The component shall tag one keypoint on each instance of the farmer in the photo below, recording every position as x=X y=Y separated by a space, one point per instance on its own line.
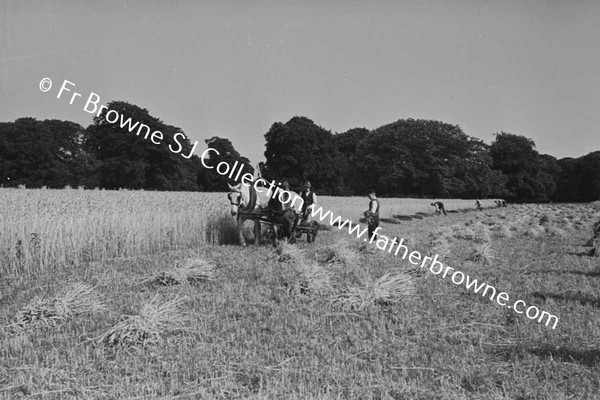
x=287 y=203
x=309 y=199
x=439 y=207
x=372 y=214
x=478 y=205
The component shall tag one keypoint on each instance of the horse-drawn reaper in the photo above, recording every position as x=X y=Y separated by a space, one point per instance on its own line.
x=279 y=210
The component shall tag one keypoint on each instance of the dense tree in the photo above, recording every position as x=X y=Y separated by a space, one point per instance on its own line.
x=530 y=176
x=405 y=158
x=72 y=152
x=212 y=181
x=588 y=169
x=579 y=178
x=425 y=158
x=299 y=150
x=347 y=144
x=44 y=153
x=516 y=157
x=130 y=158
x=473 y=176
x=549 y=174
x=569 y=181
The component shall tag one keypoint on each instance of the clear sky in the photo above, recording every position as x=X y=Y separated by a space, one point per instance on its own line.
x=233 y=68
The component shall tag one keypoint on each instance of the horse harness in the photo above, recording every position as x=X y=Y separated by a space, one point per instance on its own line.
x=240 y=204
x=239 y=200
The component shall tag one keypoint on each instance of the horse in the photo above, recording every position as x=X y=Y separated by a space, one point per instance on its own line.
x=246 y=198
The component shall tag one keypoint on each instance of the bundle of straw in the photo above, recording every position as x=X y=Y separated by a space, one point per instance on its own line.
x=190 y=271
x=289 y=253
x=341 y=252
x=75 y=299
x=148 y=326
x=310 y=278
x=483 y=254
x=387 y=290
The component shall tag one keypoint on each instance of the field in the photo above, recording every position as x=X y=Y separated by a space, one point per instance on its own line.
x=145 y=295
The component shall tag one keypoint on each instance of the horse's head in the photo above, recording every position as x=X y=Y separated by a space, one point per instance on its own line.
x=235 y=198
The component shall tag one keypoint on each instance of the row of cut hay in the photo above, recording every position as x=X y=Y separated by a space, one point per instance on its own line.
x=474 y=231
x=153 y=321
x=343 y=253
x=156 y=318
x=148 y=326
x=595 y=240
x=302 y=276
x=552 y=220
x=521 y=222
x=76 y=299
x=308 y=277
x=189 y=271
x=440 y=240
x=477 y=232
x=287 y=252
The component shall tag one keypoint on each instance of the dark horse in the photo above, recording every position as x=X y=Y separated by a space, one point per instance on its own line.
x=282 y=214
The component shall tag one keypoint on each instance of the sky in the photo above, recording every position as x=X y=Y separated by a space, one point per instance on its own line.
x=233 y=68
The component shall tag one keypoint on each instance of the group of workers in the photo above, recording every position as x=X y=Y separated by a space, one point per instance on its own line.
x=439 y=206
x=309 y=199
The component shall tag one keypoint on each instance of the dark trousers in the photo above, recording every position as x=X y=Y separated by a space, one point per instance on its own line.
x=373 y=223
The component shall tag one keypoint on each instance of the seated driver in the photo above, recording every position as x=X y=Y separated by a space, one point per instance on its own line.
x=309 y=199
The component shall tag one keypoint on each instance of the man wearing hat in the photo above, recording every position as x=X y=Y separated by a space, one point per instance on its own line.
x=372 y=213
x=309 y=199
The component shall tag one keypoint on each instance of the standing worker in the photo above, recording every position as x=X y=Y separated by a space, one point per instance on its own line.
x=372 y=213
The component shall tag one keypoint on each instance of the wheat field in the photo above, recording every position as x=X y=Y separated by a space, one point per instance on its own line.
x=44 y=227
x=146 y=295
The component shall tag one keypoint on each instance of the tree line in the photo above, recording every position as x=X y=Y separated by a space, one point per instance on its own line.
x=406 y=158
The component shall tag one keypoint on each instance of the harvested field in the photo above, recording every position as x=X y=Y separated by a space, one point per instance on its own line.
x=159 y=309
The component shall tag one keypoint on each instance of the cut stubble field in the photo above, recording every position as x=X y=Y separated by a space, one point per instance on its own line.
x=108 y=295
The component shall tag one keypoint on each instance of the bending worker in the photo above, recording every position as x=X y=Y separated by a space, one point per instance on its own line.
x=439 y=207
